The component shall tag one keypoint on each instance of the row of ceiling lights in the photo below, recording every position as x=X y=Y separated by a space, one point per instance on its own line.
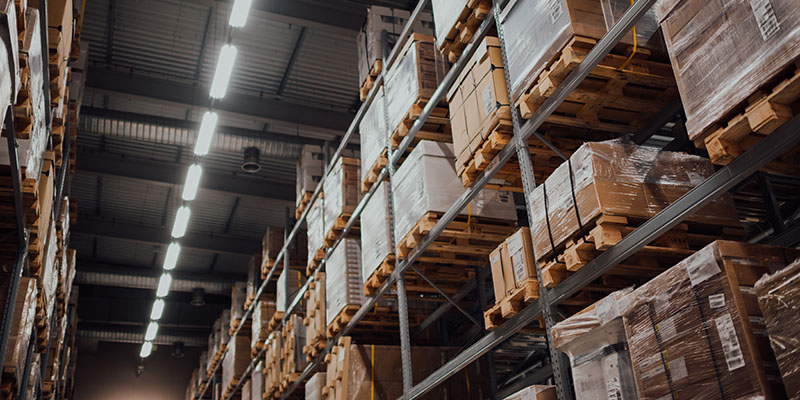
x=208 y=125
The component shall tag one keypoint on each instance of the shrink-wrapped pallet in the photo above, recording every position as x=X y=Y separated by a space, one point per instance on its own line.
x=9 y=37
x=374 y=135
x=272 y=243
x=597 y=346
x=314 y=387
x=542 y=28
x=343 y=283
x=723 y=52
x=376 y=231
x=294 y=337
x=310 y=166
x=256 y=384
x=295 y=282
x=236 y=360
x=262 y=314
x=696 y=330
x=614 y=178
x=224 y=324
x=21 y=321
x=315 y=222
x=342 y=190
x=536 y=392
x=238 y=297
x=779 y=298
x=512 y=264
x=427 y=182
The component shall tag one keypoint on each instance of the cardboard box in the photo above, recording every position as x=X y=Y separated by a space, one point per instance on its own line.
x=512 y=263
x=373 y=133
x=696 y=330
x=376 y=231
x=296 y=281
x=262 y=314
x=272 y=243
x=343 y=283
x=342 y=190
x=499 y=283
x=779 y=300
x=22 y=321
x=236 y=359
x=535 y=392
x=310 y=167
x=723 y=52
x=238 y=298
x=542 y=28
x=315 y=222
x=256 y=383
x=314 y=387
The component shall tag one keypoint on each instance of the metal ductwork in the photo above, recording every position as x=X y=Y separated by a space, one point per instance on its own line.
x=183 y=133
x=151 y=282
x=137 y=338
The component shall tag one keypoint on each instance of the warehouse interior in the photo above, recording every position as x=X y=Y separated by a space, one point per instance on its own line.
x=361 y=199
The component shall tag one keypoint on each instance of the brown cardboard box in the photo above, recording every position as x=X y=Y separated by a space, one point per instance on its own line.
x=498 y=278
x=512 y=263
x=236 y=359
x=779 y=298
x=695 y=330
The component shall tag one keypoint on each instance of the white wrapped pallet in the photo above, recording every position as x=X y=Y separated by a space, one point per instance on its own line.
x=374 y=134
x=238 y=297
x=310 y=166
x=342 y=193
x=343 y=284
x=376 y=231
x=295 y=282
x=315 y=221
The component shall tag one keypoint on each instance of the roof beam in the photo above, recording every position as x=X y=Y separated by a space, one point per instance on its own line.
x=196 y=95
x=159 y=236
x=174 y=174
x=145 y=277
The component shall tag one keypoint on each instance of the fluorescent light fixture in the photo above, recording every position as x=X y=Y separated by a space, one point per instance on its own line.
x=152 y=330
x=147 y=348
x=163 y=285
x=239 y=13
x=192 y=182
x=222 y=76
x=207 y=128
x=181 y=221
x=158 y=310
x=171 y=259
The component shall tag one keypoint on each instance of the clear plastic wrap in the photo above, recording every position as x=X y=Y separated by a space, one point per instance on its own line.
x=541 y=28
x=272 y=243
x=296 y=281
x=597 y=346
x=236 y=359
x=722 y=52
x=314 y=387
x=253 y=277
x=9 y=36
x=343 y=284
x=342 y=190
x=373 y=133
x=614 y=178
x=238 y=297
x=262 y=314
x=779 y=298
x=537 y=392
x=22 y=321
x=427 y=182
x=6 y=79
x=376 y=231
x=294 y=337
x=257 y=384
x=49 y=276
x=696 y=330
x=445 y=16
x=309 y=170
x=379 y=34
x=224 y=322
x=315 y=222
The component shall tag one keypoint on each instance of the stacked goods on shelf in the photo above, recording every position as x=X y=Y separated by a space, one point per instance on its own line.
x=238 y=298
x=377 y=256
x=47 y=281
x=36 y=368
x=293 y=359
x=235 y=362
x=253 y=280
x=76 y=89
x=377 y=38
x=283 y=298
x=736 y=66
x=620 y=95
x=364 y=371
x=59 y=34
x=256 y=384
x=537 y=392
x=702 y=317
x=272 y=245
x=272 y=365
x=202 y=376
x=513 y=277
x=314 y=387
x=314 y=321
x=480 y=116
x=456 y=23
x=374 y=139
x=344 y=292
x=262 y=324
x=246 y=391
x=410 y=82
x=779 y=298
x=191 y=390
x=602 y=194
x=315 y=222
x=597 y=346
x=22 y=321
x=342 y=193
x=310 y=167
x=425 y=187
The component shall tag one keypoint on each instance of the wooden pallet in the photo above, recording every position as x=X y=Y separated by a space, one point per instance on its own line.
x=338 y=227
x=512 y=304
x=606 y=231
x=380 y=275
x=369 y=81
x=436 y=127
x=313 y=349
x=379 y=319
x=275 y=320
x=303 y=204
x=372 y=174
x=467 y=236
x=314 y=261
x=467 y=23
x=611 y=98
x=761 y=114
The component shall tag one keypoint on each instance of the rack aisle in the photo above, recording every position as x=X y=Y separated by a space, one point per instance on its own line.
x=751 y=161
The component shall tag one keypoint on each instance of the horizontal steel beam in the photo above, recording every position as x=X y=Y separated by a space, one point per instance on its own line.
x=175 y=174
x=195 y=95
x=159 y=236
x=100 y=274
x=104 y=334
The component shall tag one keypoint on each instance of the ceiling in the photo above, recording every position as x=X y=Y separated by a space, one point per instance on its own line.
x=150 y=66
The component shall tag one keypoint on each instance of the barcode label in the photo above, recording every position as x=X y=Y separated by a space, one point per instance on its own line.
x=730 y=343
x=488 y=101
x=666 y=329
x=702 y=269
x=555 y=10
x=765 y=18
x=717 y=300
x=677 y=369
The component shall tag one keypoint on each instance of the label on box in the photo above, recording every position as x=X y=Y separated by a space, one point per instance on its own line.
x=666 y=329
x=514 y=244
x=488 y=101
x=701 y=270
x=730 y=343
x=716 y=300
x=554 y=9
x=765 y=18
x=677 y=369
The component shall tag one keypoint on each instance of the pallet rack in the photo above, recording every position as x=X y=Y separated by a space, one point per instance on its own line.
x=722 y=181
x=21 y=266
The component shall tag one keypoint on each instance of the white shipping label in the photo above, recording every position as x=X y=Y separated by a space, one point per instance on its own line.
x=667 y=329
x=700 y=270
x=488 y=100
x=716 y=300
x=730 y=343
x=495 y=258
x=677 y=369
x=765 y=18
x=555 y=10
x=514 y=244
